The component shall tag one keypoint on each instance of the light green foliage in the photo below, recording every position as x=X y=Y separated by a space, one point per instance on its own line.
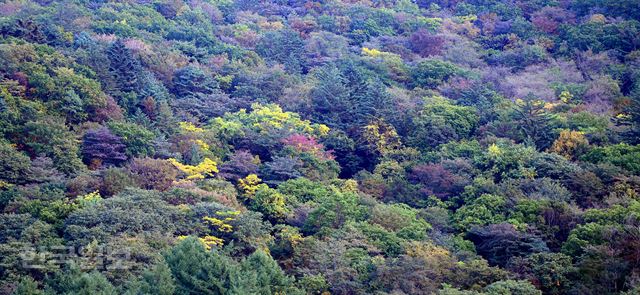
x=138 y=139
x=433 y=72
x=623 y=155
x=401 y=219
x=270 y=202
x=333 y=210
x=486 y=209
x=441 y=121
x=13 y=165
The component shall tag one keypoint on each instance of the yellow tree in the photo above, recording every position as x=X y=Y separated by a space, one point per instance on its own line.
x=570 y=144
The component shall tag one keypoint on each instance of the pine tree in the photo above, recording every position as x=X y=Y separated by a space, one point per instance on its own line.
x=74 y=281
x=269 y=277
x=198 y=271
x=27 y=286
x=157 y=280
x=192 y=81
x=123 y=66
x=534 y=122
x=330 y=97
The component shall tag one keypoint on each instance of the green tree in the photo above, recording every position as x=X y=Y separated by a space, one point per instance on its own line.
x=157 y=280
x=270 y=279
x=487 y=209
x=432 y=72
x=198 y=271
x=27 y=286
x=124 y=67
x=512 y=287
x=533 y=122
x=73 y=281
x=50 y=137
x=441 y=121
x=137 y=138
x=14 y=165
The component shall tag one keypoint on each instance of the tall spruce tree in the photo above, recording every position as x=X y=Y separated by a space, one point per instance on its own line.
x=123 y=66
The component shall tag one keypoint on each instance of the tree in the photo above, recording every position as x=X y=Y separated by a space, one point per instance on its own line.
x=156 y=280
x=197 y=271
x=441 y=121
x=240 y=164
x=498 y=243
x=330 y=97
x=192 y=81
x=623 y=155
x=270 y=202
x=27 y=286
x=550 y=18
x=512 y=287
x=270 y=279
x=153 y=173
x=553 y=272
x=431 y=73
x=100 y=147
x=425 y=43
x=51 y=137
x=631 y=116
x=486 y=209
x=285 y=47
x=137 y=138
x=124 y=67
x=533 y=122
x=73 y=281
x=14 y=165
x=570 y=144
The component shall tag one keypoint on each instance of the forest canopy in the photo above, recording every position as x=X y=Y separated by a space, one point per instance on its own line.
x=320 y=147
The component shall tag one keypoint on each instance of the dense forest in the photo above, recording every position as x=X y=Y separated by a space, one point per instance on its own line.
x=451 y=147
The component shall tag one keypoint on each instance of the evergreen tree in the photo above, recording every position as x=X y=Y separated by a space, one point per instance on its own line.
x=27 y=286
x=533 y=122
x=155 y=281
x=191 y=81
x=330 y=97
x=269 y=277
x=124 y=67
x=198 y=271
x=74 y=282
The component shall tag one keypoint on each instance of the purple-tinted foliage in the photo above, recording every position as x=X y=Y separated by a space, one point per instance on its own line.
x=425 y=43
x=239 y=165
x=437 y=180
x=101 y=147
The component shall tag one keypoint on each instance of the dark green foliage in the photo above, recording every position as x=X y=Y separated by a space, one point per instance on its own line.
x=533 y=122
x=124 y=67
x=74 y=281
x=284 y=47
x=499 y=242
x=191 y=81
x=157 y=280
x=14 y=165
x=345 y=147
x=199 y=271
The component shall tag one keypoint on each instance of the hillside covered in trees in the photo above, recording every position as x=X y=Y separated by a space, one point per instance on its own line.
x=451 y=147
